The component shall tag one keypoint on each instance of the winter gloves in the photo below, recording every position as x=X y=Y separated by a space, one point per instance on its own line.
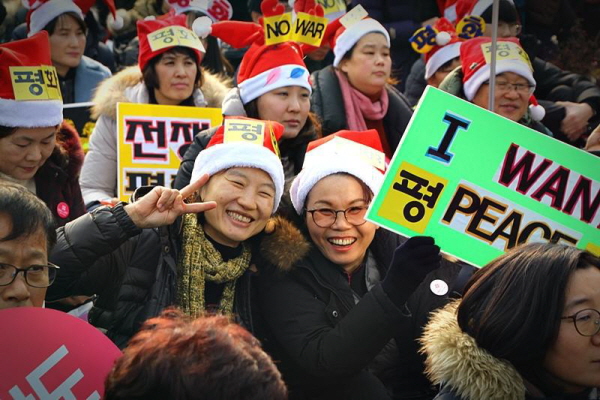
x=412 y=262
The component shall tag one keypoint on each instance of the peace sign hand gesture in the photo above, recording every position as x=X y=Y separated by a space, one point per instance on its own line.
x=162 y=205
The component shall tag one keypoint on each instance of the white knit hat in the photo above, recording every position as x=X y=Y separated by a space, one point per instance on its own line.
x=228 y=149
x=359 y=154
x=346 y=38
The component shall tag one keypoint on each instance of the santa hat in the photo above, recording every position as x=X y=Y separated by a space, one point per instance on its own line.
x=216 y=10
x=225 y=150
x=476 y=68
x=536 y=111
x=346 y=38
x=42 y=12
x=444 y=46
x=359 y=154
x=30 y=94
x=462 y=8
x=152 y=46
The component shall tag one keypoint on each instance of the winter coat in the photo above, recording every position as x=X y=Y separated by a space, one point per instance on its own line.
x=88 y=75
x=401 y=18
x=466 y=371
x=57 y=181
x=453 y=84
x=327 y=102
x=333 y=345
x=133 y=271
x=99 y=175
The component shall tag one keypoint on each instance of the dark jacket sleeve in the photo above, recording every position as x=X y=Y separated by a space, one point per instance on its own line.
x=415 y=83
x=84 y=252
x=397 y=118
x=327 y=101
x=186 y=167
x=301 y=324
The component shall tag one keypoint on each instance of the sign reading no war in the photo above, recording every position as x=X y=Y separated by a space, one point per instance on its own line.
x=152 y=141
x=482 y=184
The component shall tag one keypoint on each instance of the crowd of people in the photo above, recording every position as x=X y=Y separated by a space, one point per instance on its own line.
x=257 y=275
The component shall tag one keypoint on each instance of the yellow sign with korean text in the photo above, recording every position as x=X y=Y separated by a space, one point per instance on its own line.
x=353 y=16
x=249 y=131
x=278 y=28
x=174 y=36
x=35 y=83
x=505 y=51
x=152 y=140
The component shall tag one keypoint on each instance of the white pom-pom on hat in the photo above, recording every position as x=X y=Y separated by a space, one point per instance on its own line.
x=150 y=18
x=202 y=26
x=117 y=22
x=536 y=111
x=442 y=38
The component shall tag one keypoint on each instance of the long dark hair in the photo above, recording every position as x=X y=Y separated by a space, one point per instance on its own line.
x=513 y=306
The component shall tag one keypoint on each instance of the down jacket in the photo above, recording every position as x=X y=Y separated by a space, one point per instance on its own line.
x=99 y=174
x=331 y=344
x=327 y=102
x=468 y=372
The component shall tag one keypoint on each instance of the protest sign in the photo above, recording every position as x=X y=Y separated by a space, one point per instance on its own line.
x=47 y=354
x=482 y=184
x=78 y=115
x=152 y=139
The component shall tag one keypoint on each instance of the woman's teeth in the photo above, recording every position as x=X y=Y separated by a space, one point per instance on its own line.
x=342 y=242
x=239 y=217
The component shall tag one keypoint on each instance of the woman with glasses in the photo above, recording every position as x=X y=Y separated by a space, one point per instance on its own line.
x=515 y=83
x=332 y=316
x=528 y=327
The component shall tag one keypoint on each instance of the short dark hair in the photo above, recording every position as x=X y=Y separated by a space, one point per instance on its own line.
x=506 y=13
x=51 y=26
x=512 y=306
x=7 y=131
x=28 y=214
x=150 y=77
x=173 y=357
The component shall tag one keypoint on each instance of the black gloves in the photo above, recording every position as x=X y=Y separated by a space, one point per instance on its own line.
x=412 y=262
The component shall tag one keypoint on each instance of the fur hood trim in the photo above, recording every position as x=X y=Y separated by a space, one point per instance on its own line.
x=68 y=152
x=283 y=244
x=454 y=359
x=115 y=90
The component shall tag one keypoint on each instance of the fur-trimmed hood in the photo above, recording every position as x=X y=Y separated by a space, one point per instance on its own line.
x=455 y=360
x=121 y=88
x=283 y=244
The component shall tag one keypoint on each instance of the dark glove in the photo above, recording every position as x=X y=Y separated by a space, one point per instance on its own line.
x=412 y=262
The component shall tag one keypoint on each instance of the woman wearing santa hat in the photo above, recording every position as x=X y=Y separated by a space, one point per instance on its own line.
x=332 y=316
x=200 y=262
x=513 y=98
x=273 y=83
x=169 y=75
x=79 y=75
x=36 y=149
x=354 y=93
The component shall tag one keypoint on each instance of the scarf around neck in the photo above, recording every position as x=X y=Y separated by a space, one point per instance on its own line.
x=359 y=107
x=201 y=262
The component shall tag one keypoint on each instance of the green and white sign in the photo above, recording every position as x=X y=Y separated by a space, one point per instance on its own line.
x=482 y=184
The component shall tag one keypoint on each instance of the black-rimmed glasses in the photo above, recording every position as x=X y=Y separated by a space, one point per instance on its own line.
x=587 y=322
x=38 y=276
x=326 y=217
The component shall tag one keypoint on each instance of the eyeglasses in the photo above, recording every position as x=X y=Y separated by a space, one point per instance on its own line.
x=521 y=88
x=326 y=217
x=587 y=322
x=38 y=276
x=513 y=29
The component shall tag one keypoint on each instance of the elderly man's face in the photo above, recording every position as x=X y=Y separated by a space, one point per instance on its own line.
x=21 y=252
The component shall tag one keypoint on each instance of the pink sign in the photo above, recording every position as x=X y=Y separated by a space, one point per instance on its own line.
x=47 y=354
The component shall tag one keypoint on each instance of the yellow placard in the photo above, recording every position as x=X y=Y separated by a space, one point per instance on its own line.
x=593 y=248
x=505 y=51
x=35 y=83
x=278 y=29
x=309 y=29
x=332 y=6
x=152 y=140
x=174 y=36
x=470 y=26
x=413 y=196
x=423 y=40
x=353 y=16
x=274 y=141
x=243 y=130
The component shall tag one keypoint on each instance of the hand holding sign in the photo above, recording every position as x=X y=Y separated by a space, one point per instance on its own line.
x=162 y=205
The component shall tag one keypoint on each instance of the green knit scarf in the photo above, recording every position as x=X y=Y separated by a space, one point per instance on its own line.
x=201 y=262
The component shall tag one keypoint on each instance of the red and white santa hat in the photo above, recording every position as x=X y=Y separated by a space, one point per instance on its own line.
x=151 y=44
x=42 y=12
x=475 y=58
x=359 y=154
x=446 y=46
x=346 y=38
x=226 y=150
x=216 y=10
x=29 y=89
x=458 y=9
